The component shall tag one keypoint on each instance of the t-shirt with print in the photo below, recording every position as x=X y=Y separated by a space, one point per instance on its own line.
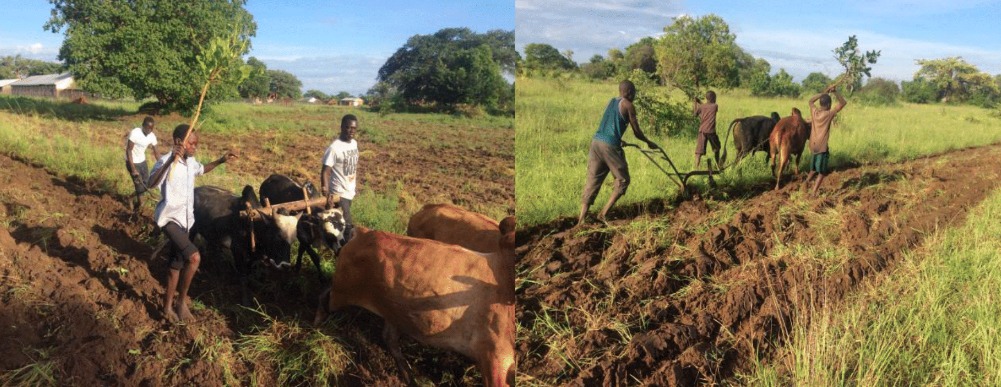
x=139 y=143
x=821 y=130
x=707 y=117
x=342 y=158
x=177 y=191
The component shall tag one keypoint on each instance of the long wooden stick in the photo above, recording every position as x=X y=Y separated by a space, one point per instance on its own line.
x=291 y=206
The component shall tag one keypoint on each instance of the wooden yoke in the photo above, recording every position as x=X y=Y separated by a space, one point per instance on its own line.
x=269 y=210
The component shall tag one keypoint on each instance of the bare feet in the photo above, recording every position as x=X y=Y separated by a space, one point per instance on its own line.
x=184 y=313
x=170 y=315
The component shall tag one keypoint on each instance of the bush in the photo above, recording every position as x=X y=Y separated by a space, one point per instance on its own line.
x=919 y=91
x=879 y=92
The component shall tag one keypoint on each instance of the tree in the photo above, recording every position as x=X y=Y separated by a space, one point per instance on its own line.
x=17 y=67
x=641 y=55
x=452 y=66
x=816 y=83
x=342 y=95
x=541 y=56
x=284 y=84
x=954 y=79
x=849 y=57
x=258 y=84
x=316 y=94
x=598 y=68
x=697 y=54
x=879 y=91
x=146 y=48
x=919 y=90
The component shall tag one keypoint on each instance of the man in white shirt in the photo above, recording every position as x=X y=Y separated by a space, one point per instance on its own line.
x=339 y=171
x=175 y=214
x=135 y=157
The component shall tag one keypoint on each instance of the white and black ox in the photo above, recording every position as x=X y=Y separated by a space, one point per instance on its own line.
x=219 y=222
x=317 y=227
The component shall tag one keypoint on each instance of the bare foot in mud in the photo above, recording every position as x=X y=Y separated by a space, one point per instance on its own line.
x=184 y=313
x=170 y=315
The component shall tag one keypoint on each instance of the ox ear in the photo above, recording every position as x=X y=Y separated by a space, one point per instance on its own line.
x=250 y=196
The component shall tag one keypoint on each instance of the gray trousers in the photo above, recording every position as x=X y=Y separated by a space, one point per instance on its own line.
x=604 y=158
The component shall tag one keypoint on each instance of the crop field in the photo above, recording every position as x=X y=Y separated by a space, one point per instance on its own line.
x=884 y=278
x=80 y=299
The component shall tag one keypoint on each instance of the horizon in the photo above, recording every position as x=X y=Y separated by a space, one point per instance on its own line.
x=902 y=30
x=329 y=48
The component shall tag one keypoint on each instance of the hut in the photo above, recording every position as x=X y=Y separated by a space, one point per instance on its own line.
x=49 y=85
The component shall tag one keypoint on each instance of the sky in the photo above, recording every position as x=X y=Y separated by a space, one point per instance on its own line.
x=331 y=46
x=799 y=37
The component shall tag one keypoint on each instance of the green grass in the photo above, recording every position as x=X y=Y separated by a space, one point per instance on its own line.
x=293 y=355
x=936 y=320
x=556 y=119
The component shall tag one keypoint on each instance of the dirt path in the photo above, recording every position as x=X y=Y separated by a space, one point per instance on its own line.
x=713 y=284
x=80 y=299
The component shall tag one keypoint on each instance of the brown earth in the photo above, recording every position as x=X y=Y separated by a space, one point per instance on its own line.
x=718 y=281
x=79 y=293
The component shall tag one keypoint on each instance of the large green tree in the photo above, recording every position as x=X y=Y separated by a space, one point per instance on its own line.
x=855 y=63
x=543 y=57
x=698 y=53
x=147 y=48
x=954 y=79
x=452 y=66
x=258 y=84
x=284 y=84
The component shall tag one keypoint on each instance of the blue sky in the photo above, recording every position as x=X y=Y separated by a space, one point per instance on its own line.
x=330 y=46
x=799 y=37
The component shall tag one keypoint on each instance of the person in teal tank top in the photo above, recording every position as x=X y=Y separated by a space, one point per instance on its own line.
x=606 y=154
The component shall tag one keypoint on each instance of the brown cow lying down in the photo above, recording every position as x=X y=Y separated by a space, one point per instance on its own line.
x=787 y=139
x=440 y=294
x=456 y=226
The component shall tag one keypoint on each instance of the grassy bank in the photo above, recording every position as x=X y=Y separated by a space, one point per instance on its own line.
x=934 y=321
x=556 y=120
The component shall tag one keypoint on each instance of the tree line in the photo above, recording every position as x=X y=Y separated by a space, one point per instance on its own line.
x=151 y=49
x=696 y=54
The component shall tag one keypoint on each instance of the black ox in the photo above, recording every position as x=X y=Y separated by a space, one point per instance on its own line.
x=321 y=227
x=750 y=134
x=218 y=221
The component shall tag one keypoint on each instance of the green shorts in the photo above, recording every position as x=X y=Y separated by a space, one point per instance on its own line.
x=819 y=163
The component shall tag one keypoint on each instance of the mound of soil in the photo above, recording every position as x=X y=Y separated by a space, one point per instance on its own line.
x=81 y=297
x=717 y=283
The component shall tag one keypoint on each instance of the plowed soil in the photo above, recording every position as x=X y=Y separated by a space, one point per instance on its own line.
x=717 y=282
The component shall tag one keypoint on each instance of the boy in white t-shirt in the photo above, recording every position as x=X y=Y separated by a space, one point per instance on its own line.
x=135 y=157
x=338 y=174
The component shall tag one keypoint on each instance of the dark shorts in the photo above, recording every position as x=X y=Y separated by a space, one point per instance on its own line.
x=819 y=163
x=181 y=247
x=602 y=159
x=139 y=182
x=712 y=138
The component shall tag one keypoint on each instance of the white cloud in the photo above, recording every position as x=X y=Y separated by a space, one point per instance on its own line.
x=801 y=52
x=590 y=27
x=35 y=48
x=330 y=74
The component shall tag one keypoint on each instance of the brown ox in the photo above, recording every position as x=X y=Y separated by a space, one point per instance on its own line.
x=788 y=139
x=456 y=226
x=440 y=294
